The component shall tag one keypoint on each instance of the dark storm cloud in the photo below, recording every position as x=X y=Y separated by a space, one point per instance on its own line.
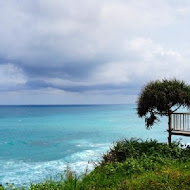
x=77 y=70
x=36 y=84
x=125 y=88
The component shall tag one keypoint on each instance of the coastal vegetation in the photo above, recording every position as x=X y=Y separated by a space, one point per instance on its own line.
x=129 y=164
x=162 y=98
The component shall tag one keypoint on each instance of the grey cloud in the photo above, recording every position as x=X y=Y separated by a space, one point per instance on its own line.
x=129 y=89
x=102 y=87
x=94 y=45
x=36 y=84
x=72 y=71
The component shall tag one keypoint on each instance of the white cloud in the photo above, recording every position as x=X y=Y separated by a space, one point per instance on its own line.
x=11 y=76
x=55 y=30
x=145 y=60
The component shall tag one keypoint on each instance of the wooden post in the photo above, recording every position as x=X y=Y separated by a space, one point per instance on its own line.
x=169 y=129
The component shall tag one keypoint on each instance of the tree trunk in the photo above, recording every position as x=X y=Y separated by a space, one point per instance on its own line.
x=169 y=129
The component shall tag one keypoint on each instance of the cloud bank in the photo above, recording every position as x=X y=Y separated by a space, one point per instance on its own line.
x=90 y=50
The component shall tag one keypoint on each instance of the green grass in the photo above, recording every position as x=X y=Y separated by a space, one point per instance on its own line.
x=131 y=164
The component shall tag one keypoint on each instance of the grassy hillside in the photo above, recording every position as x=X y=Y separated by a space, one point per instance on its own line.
x=131 y=164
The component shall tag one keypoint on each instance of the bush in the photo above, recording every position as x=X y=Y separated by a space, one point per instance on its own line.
x=135 y=148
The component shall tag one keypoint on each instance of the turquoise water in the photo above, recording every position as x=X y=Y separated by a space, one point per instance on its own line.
x=37 y=142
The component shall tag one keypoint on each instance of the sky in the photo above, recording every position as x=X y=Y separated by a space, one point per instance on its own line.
x=90 y=52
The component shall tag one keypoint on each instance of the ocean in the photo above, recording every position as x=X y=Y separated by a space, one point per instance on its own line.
x=37 y=142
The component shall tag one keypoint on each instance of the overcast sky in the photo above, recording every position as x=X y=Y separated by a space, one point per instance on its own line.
x=85 y=52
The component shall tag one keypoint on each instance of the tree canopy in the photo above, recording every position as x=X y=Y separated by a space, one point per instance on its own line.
x=162 y=97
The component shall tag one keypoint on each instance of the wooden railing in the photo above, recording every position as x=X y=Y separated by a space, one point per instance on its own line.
x=180 y=122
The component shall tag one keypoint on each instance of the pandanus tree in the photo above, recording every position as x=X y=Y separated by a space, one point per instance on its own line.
x=162 y=98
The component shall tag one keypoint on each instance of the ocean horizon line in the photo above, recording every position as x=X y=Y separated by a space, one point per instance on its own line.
x=7 y=105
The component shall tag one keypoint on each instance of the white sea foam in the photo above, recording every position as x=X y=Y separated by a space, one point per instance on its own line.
x=19 y=172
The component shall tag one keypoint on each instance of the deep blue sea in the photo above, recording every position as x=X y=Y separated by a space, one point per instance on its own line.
x=37 y=142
